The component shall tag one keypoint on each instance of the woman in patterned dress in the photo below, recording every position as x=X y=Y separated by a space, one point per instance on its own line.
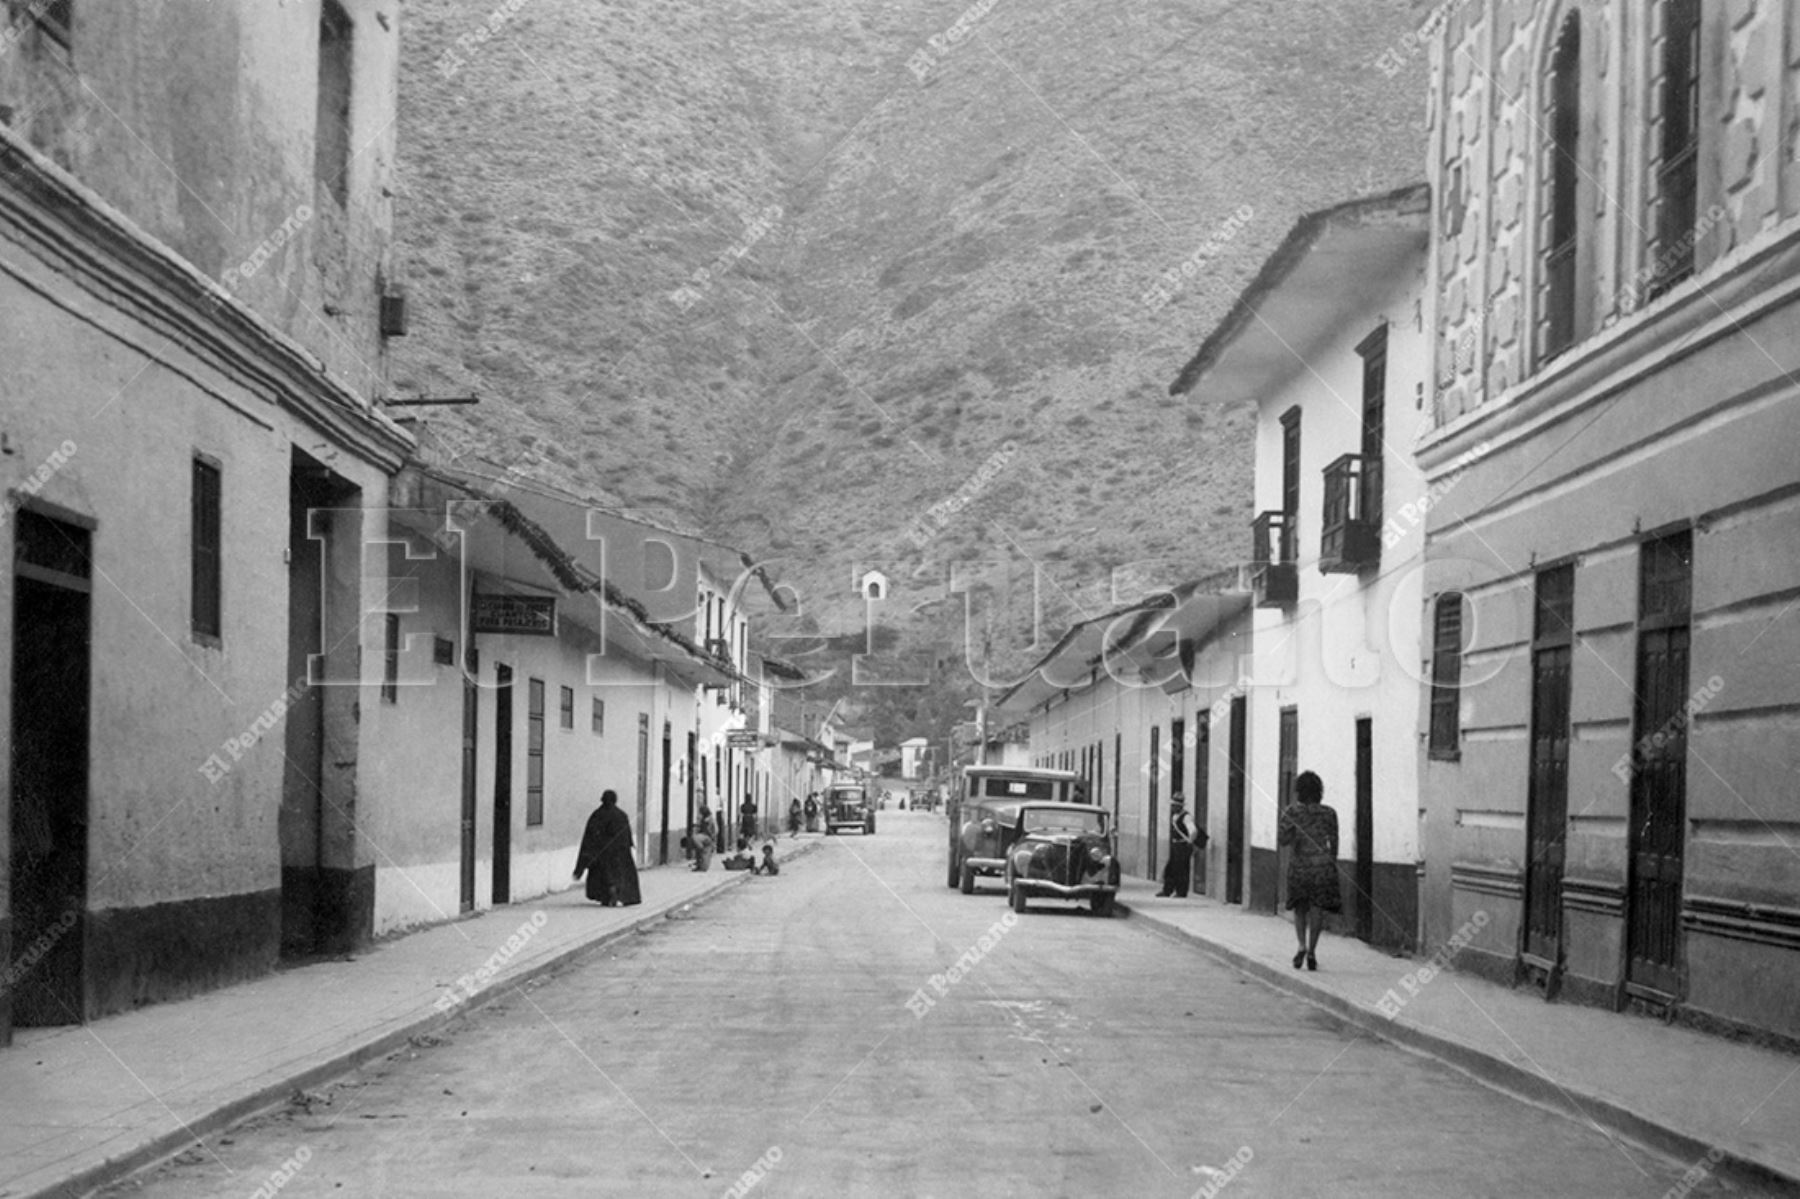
x=1310 y=829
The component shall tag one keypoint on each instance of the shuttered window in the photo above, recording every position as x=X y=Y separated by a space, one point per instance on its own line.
x=1446 y=677
x=206 y=543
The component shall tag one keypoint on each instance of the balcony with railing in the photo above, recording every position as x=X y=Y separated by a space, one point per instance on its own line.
x=1273 y=560
x=1350 y=533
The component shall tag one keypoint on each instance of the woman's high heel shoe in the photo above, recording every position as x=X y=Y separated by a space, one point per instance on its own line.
x=1312 y=963
x=1299 y=956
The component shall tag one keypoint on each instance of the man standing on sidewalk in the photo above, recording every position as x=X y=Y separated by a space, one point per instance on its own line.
x=1179 y=868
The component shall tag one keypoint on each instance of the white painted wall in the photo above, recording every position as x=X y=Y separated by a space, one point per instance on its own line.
x=1350 y=647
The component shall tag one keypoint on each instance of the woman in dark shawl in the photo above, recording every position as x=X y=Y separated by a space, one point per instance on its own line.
x=606 y=856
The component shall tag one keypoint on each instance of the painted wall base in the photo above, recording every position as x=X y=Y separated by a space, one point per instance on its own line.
x=326 y=911
x=166 y=951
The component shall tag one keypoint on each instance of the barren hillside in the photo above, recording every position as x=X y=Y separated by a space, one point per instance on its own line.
x=797 y=271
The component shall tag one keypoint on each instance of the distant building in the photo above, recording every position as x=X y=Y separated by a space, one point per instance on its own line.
x=1608 y=752
x=1130 y=700
x=873 y=585
x=912 y=756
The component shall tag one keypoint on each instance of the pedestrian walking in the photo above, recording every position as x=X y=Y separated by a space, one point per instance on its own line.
x=794 y=819
x=1309 y=829
x=1178 y=871
x=606 y=856
x=812 y=812
x=747 y=819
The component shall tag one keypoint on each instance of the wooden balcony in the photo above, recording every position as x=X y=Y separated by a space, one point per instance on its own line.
x=1273 y=560
x=1350 y=536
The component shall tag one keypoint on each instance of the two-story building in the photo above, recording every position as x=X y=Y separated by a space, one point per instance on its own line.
x=1609 y=753
x=1330 y=342
x=194 y=222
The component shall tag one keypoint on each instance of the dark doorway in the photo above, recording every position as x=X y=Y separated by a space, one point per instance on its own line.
x=51 y=629
x=643 y=784
x=327 y=902
x=1659 y=775
x=1150 y=870
x=1118 y=772
x=1287 y=766
x=1177 y=756
x=1236 y=776
x=1200 y=802
x=471 y=725
x=693 y=781
x=503 y=778
x=1547 y=795
x=1365 y=828
x=668 y=764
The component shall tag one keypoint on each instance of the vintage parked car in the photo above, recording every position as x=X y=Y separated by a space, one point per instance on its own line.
x=1063 y=851
x=984 y=816
x=848 y=807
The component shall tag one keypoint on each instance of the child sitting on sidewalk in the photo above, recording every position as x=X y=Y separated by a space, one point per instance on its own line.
x=769 y=865
x=742 y=859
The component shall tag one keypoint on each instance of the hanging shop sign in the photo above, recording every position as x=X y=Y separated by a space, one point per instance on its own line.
x=518 y=615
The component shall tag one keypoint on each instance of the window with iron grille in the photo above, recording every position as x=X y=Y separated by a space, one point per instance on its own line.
x=390 y=661
x=1446 y=678
x=1560 y=234
x=1677 y=109
x=206 y=548
x=568 y=707
x=534 y=754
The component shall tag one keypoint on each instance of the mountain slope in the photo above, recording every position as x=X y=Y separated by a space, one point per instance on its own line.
x=795 y=273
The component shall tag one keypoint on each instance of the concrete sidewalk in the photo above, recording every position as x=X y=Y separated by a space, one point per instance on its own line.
x=82 y=1106
x=1729 y=1107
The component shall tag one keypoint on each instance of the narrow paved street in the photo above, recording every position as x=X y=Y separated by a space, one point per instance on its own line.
x=1079 y=1056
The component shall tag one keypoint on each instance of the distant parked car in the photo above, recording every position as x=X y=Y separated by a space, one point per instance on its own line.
x=849 y=807
x=984 y=816
x=1063 y=851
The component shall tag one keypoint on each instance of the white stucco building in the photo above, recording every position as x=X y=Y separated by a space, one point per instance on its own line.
x=1331 y=343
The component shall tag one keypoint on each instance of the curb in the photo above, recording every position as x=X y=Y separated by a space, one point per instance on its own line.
x=1602 y=1114
x=86 y=1180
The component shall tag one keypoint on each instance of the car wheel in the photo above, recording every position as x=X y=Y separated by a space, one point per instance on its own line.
x=1102 y=905
x=967 y=883
x=1018 y=899
x=831 y=830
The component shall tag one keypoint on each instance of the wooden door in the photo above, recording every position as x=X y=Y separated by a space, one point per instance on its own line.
x=1236 y=827
x=1287 y=765
x=643 y=784
x=49 y=763
x=1659 y=774
x=1547 y=798
x=1365 y=828
x=503 y=777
